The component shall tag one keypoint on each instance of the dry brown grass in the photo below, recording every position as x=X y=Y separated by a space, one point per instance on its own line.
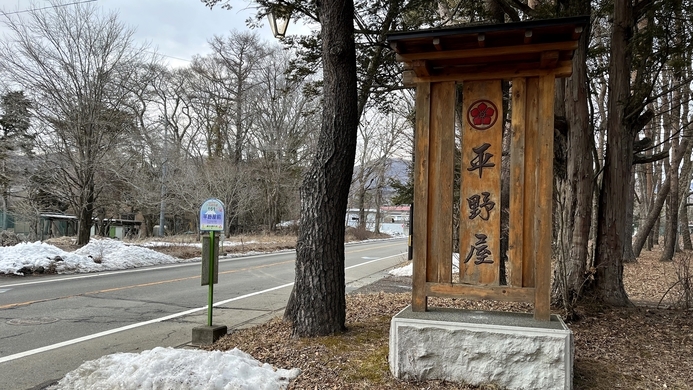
x=633 y=348
x=65 y=243
x=358 y=234
x=181 y=246
x=258 y=243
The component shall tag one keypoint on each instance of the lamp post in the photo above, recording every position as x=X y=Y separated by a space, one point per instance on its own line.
x=278 y=21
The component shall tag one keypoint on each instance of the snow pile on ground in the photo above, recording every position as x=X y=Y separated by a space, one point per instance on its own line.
x=116 y=255
x=169 y=368
x=98 y=255
x=34 y=255
x=408 y=270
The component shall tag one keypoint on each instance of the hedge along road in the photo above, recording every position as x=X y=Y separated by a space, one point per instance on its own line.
x=50 y=325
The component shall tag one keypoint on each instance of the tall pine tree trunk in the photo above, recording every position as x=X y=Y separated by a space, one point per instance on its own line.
x=686 y=177
x=317 y=305
x=628 y=253
x=672 y=221
x=579 y=157
x=654 y=234
x=618 y=160
x=683 y=222
x=671 y=105
x=576 y=194
x=647 y=190
x=681 y=98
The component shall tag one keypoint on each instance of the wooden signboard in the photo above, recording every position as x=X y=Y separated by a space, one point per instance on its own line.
x=480 y=181
x=530 y=55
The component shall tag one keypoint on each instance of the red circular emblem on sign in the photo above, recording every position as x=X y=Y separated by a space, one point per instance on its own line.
x=482 y=114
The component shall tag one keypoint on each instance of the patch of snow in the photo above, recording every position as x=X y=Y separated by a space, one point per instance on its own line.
x=98 y=255
x=408 y=270
x=34 y=255
x=183 y=369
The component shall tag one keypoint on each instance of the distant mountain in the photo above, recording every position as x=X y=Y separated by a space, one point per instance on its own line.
x=398 y=169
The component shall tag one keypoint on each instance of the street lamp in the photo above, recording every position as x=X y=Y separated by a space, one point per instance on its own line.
x=278 y=22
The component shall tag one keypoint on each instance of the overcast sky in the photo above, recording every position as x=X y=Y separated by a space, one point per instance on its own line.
x=175 y=28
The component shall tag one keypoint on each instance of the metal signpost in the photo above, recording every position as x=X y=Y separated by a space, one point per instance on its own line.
x=211 y=220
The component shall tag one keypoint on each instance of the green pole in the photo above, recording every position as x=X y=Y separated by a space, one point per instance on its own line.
x=210 y=296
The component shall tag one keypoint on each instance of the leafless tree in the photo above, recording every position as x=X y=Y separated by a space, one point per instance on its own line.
x=226 y=77
x=75 y=64
x=381 y=138
x=281 y=138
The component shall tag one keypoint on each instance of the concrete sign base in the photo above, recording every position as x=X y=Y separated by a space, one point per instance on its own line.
x=510 y=350
x=207 y=335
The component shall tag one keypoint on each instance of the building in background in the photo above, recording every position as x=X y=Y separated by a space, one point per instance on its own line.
x=394 y=220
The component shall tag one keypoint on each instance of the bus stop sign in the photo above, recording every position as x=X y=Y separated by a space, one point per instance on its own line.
x=212 y=216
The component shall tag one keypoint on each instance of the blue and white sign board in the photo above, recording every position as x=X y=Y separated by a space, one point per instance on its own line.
x=212 y=216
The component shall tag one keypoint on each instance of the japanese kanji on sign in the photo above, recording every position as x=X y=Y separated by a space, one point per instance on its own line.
x=480 y=183
x=211 y=220
x=527 y=57
x=212 y=216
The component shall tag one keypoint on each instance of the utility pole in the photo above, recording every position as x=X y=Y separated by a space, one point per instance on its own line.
x=162 y=209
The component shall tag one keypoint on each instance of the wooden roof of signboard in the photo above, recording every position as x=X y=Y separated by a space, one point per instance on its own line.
x=477 y=52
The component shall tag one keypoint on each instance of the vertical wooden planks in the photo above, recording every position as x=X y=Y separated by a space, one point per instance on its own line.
x=531 y=187
x=480 y=182
x=517 y=180
x=421 y=155
x=529 y=202
x=440 y=182
x=544 y=197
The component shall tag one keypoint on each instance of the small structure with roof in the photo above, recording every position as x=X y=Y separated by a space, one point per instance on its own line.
x=511 y=350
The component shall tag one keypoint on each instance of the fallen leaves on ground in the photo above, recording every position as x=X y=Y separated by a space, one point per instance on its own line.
x=644 y=347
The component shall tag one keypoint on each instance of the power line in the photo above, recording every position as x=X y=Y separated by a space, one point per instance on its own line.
x=76 y=3
x=49 y=7
x=165 y=55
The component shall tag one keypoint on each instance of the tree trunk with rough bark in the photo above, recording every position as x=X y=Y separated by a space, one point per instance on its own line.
x=683 y=225
x=576 y=196
x=657 y=236
x=628 y=253
x=608 y=286
x=654 y=234
x=672 y=221
x=684 y=188
x=672 y=123
x=317 y=305
x=86 y=214
x=647 y=197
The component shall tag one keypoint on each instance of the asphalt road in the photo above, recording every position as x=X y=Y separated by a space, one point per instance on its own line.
x=49 y=325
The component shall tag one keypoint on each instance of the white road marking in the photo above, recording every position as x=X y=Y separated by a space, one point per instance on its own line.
x=195 y=262
x=168 y=317
x=373 y=261
x=131 y=326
